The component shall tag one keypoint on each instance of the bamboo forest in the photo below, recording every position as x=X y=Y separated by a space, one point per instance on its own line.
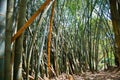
x=59 y=39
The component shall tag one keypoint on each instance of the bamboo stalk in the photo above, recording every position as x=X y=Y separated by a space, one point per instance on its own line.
x=49 y=37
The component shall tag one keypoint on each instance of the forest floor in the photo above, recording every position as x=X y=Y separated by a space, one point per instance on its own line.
x=111 y=74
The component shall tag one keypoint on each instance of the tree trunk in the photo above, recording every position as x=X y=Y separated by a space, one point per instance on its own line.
x=19 y=41
x=114 y=6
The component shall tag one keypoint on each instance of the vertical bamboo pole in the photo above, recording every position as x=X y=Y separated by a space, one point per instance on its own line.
x=49 y=37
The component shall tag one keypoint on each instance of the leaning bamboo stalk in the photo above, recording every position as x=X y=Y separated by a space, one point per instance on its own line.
x=23 y=28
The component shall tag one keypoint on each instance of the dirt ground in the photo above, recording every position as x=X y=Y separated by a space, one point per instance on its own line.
x=101 y=75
